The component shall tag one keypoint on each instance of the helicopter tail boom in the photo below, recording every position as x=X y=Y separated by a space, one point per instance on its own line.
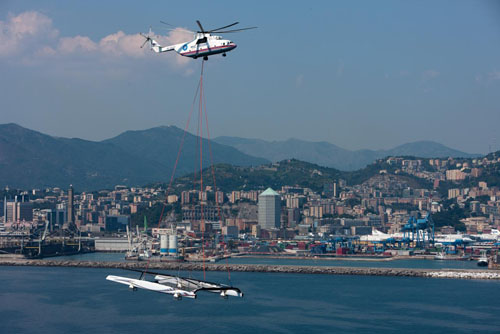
x=156 y=47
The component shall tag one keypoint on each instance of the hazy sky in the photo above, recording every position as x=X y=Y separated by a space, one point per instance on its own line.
x=359 y=74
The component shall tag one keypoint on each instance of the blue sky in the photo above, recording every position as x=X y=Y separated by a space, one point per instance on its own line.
x=359 y=74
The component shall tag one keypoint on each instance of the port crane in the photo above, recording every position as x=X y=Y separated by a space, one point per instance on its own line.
x=419 y=230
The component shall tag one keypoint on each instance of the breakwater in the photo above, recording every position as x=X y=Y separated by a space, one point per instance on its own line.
x=363 y=271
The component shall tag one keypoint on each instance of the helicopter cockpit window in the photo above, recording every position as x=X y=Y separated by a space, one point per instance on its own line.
x=201 y=40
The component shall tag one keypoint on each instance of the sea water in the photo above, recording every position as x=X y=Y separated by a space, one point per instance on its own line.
x=360 y=262
x=81 y=300
x=353 y=262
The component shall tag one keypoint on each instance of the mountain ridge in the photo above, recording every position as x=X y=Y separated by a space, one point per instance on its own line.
x=31 y=159
x=330 y=155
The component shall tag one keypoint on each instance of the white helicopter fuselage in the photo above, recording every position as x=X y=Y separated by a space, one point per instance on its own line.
x=203 y=45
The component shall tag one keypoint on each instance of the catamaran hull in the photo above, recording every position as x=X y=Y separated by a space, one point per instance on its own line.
x=152 y=286
x=482 y=263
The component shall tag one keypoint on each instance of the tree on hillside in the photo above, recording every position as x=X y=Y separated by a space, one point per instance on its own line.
x=450 y=217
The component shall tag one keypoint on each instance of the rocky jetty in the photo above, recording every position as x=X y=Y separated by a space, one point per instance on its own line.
x=363 y=271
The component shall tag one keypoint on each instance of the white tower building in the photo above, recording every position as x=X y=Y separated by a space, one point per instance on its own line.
x=269 y=209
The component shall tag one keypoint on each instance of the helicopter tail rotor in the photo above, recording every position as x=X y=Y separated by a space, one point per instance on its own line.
x=147 y=37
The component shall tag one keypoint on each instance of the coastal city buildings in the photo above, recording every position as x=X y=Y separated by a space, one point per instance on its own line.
x=383 y=201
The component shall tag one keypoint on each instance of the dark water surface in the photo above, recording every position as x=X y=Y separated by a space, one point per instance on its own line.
x=404 y=263
x=97 y=256
x=80 y=300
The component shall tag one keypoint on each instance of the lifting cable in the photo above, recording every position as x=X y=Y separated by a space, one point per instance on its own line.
x=200 y=121
x=201 y=110
x=219 y=211
x=167 y=192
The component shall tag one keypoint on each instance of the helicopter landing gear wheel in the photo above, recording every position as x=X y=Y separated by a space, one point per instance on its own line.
x=223 y=55
x=205 y=58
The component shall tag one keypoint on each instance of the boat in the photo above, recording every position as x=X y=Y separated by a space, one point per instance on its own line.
x=440 y=256
x=175 y=285
x=443 y=256
x=139 y=247
x=483 y=259
x=138 y=255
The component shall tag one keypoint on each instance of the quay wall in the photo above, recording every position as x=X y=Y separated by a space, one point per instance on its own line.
x=363 y=271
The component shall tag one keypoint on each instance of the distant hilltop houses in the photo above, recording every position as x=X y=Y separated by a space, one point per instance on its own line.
x=460 y=194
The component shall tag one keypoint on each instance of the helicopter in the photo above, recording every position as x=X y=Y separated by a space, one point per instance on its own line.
x=203 y=45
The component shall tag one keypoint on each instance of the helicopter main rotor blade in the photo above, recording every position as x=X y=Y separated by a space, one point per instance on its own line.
x=235 y=30
x=147 y=40
x=199 y=25
x=168 y=24
x=229 y=25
